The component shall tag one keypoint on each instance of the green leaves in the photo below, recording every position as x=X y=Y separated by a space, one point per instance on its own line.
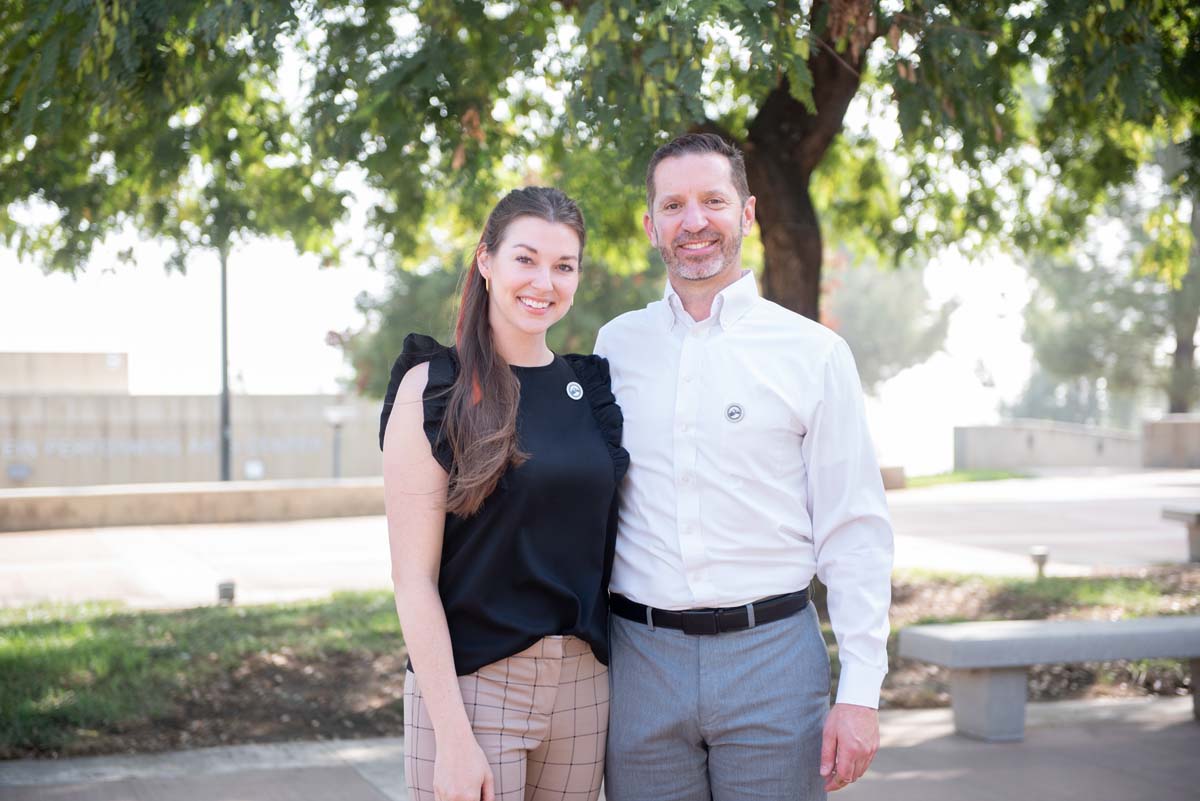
x=445 y=104
x=799 y=78
x=132 y=105
x=1169 y=243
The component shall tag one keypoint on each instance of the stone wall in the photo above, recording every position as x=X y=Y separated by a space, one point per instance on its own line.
x=73 y=440
x=1173 y=441
x=1020 y=444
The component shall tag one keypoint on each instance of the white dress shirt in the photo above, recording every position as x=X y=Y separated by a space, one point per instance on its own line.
x=751 y=469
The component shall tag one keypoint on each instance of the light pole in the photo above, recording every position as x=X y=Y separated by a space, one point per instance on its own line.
x=226 y=434
x=336 y=416
x=1040 y=554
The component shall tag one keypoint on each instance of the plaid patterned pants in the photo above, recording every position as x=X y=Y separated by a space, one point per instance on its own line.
x=540 y=716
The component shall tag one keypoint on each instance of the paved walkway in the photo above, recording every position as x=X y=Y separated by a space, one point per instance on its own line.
x=1100 y=751
x=1102 y=520
x=982 y=527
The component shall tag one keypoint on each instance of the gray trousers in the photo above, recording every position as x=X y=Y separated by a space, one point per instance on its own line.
x=729 y=716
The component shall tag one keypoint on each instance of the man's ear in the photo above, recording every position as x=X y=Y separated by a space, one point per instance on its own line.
x=748 y=215
x=648 y=224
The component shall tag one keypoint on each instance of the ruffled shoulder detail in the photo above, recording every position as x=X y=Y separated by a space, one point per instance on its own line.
x=443 y=371
x=593 y=375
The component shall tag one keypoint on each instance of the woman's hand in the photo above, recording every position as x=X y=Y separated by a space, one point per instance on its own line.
x=461 y=771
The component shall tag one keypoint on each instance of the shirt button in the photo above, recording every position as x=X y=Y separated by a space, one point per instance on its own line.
x=687 y=379
x=683 y=426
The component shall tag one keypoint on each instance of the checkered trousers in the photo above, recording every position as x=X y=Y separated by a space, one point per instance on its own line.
x=540 y=716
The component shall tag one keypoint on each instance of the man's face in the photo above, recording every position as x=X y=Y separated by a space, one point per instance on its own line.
x=697 y=221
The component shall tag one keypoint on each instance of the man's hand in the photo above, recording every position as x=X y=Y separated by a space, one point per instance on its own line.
x=848 y=744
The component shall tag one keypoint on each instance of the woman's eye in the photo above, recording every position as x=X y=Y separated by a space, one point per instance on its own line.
x=524 y=260
x=567 y=268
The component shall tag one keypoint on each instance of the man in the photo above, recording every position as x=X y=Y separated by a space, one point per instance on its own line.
x=752 y=471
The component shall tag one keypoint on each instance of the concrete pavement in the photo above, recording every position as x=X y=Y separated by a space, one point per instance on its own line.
x=1110 y=520
x=1119 y=751
x=180 y=566
x=1105 y=520
x=1102 y=751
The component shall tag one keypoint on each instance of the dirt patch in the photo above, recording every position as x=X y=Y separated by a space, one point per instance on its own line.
x=270 y=697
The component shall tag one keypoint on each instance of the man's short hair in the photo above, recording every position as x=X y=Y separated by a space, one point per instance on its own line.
x=700 y=143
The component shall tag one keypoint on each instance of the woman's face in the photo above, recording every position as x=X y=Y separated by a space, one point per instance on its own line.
x=533 y=274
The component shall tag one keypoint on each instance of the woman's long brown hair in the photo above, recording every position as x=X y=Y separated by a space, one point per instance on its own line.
x=481 y=417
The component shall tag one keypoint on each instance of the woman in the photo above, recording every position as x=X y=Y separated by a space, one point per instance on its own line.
x=500 y=463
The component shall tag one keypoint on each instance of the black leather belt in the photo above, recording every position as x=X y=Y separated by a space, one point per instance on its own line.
x=712 y=621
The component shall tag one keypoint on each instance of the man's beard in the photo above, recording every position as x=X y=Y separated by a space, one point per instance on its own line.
x=697 y=269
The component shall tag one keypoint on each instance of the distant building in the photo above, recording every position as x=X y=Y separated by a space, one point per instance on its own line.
x=68 y=419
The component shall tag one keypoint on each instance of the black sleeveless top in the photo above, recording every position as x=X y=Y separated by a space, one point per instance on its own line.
x=536 y=558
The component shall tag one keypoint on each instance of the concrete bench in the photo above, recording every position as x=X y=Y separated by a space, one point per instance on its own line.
x=1191 y=518
x=987 y=660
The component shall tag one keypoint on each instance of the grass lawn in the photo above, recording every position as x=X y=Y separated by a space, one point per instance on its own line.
x=95 y=678
x=77 y=676
x=960 y=476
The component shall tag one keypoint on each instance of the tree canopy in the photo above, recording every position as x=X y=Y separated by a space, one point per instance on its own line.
x=904 y=126
x=1102 y=320
x=437 y=93
x=160 y=118
x=451 y=101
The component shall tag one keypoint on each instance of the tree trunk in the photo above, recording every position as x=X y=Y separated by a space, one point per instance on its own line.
x=791 y=232
x=1185 y=310
x=1182 y=388
x=785 y=144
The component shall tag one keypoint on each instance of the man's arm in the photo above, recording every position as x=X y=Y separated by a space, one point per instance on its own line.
x=852 y=538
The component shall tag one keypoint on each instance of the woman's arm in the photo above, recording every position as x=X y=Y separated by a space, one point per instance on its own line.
x=415 y=497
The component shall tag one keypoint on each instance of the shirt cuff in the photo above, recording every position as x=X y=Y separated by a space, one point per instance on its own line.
x=859 y=684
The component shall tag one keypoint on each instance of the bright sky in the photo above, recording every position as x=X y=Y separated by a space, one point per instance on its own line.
x=984 y=362
x=281 y=306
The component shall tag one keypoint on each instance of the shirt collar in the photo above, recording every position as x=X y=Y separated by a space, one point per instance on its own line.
x=729 y=306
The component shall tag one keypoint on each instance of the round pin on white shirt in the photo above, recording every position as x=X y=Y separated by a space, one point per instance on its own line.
x=574 y=391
